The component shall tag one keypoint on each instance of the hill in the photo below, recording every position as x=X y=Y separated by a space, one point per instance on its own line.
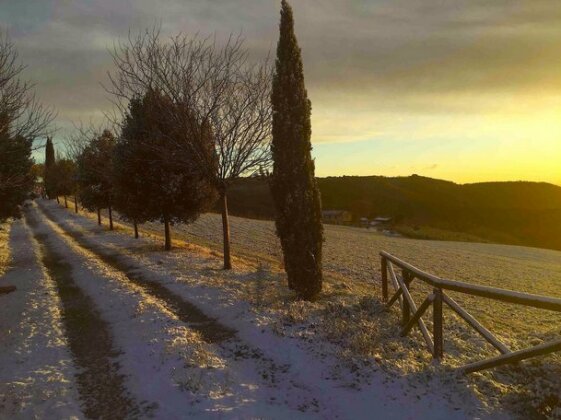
x=518 y=213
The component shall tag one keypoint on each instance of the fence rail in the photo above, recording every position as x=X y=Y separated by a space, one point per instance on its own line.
x=413 y=316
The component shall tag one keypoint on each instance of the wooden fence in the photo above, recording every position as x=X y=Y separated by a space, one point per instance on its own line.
x=412 y=315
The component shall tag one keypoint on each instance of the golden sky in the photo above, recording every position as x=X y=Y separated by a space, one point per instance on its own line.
x=465 y=90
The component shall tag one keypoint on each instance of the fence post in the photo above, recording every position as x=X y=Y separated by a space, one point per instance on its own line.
x=405 y=309
x=438 y=325
x=384 y=279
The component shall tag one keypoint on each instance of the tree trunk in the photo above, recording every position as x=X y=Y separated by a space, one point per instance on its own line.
x=65 y=202
x=226 y=231
x=135 y=229
x=99 y=217
x=110 y=218
x=75 y=204
x=57 y=200
x=167 y=232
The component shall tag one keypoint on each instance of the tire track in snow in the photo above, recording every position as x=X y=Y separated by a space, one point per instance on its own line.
x=169 y=369
x=236 y=351
x=36 y=367
x=210 y=329
x=382 y=398
x=100 y=385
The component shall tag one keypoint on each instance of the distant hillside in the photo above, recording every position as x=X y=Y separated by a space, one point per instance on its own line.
x=521 y=213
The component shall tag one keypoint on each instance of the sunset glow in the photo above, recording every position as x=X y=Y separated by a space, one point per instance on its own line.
x=466 y=91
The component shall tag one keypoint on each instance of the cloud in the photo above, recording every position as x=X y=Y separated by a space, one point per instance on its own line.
x=365 y=60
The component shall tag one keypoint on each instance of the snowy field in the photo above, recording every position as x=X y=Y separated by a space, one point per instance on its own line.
x=184 y=338
x=351 y=254
x=353 y=281
x=167 y=361
x=353 y=268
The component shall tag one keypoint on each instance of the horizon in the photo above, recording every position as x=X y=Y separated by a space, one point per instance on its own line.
x=441 y=179
x=463 y=92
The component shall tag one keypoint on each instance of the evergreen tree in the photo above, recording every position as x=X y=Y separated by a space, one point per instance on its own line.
x=49 y=165
x=293 y=184
x=227 y=95
x=130 y=191
x=95 y=177
x=63 y=178
x=38 y=173
x=153 y=182
x=16 y=180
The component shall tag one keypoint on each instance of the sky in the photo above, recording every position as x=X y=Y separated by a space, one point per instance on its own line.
x=464 y=90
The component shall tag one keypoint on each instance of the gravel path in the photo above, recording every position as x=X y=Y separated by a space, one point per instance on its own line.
x=252 y=368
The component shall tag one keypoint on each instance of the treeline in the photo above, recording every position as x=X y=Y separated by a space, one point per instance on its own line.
x=179 y=140
x=193 y=117
x=518 y=213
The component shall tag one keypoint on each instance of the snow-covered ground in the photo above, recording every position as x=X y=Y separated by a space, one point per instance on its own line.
x=353 y=252
x=171 y=368
x=351 y=256
x=192 y=340
x=37 y=374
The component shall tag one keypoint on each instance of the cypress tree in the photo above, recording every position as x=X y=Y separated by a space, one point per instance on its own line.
x=49 y=166
x=49 y=153
x=293 y=184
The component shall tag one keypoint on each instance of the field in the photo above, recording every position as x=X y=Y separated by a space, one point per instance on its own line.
x=350 y=315
x=353 y=275
x=176 y=336
x=353 y=253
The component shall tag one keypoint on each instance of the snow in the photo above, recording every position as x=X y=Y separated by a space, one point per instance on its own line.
x=283 y=358
x=258 y=373
x=36 y=368
x=353 y=253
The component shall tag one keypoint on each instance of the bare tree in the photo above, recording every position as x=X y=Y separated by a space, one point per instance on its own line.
x=226 y=95
x=74 y=145
x=22 y=120
x=22 y=114
x=78 y=139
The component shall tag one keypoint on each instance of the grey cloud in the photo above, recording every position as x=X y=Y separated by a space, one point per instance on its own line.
x=404 y=52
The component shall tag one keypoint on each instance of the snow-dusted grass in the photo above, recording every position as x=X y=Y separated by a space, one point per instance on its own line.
x=36 y=368
x=350 y=315
x=293 y=364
